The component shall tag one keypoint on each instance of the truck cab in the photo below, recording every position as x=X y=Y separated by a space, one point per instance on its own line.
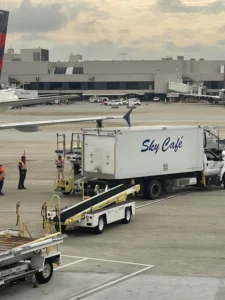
x=214 y=168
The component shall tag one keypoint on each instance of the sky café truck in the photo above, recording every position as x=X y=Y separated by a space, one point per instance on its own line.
x=156 y=157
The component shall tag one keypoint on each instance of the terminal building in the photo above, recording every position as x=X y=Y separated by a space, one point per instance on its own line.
x=144 y=79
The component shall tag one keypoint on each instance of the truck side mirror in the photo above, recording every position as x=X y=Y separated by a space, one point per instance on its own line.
x=205 y=140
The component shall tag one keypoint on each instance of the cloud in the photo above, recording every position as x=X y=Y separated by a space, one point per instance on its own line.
x=37 y=18
x=93 y=50
x=37 y=37
x=192 y=48
x=85 y=12
x=178 y=6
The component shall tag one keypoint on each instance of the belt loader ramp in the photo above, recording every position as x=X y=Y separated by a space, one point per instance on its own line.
x=97 y=211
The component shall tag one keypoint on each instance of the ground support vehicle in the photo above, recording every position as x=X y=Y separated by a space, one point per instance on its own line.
x=156 y=157
x=27 y=257
x=97 y=211
x=72 y=182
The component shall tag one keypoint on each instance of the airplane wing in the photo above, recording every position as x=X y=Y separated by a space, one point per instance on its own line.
x=40 y=100
x=34 y=126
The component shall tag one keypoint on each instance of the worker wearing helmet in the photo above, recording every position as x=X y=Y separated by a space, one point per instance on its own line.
x=60 y=166
x=2 y=177
x=22 y=172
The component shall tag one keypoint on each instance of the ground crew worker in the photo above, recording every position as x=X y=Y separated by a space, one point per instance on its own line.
x=60 y=166
x=2 y=177
x=22 y=171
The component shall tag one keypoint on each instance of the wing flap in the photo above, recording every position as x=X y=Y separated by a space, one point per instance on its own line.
x=34 y=126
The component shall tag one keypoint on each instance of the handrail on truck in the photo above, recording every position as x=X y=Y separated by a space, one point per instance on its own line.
x=21 y=232
x=57 y=209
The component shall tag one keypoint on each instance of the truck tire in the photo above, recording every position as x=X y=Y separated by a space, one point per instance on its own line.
x=154 y=189
x=46 y=275
x=90 y=193
x=224 y=181
x=101 y=225
x=128 y=214
x=67 y=193
x=63 y=227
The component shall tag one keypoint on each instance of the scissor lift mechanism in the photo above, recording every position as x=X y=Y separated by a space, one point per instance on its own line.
x=72 y=182
x=99 y=205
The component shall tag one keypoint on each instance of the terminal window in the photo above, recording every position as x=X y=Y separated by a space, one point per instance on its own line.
x=36 y=56
x=60 y=70
x=113 y=85
x=75 y=85
x=132 y=85
x=78 y=70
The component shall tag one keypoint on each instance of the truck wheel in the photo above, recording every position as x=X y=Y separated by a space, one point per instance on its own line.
x=67 y=193
x=224 y=181
x=101 y=225
x=127 y=218
x=45 y=276
x=154 y=189
x=63 y=228
x=90 y=193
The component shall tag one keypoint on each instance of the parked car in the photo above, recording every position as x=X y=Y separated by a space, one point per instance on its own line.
x=104 y=102
x=115 y=102
x=133 y=102
x=156 y=99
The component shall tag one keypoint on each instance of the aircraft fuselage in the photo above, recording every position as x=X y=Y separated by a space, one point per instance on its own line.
x=6 y=96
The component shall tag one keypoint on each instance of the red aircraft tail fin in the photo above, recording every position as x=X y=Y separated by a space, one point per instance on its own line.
x=4 y=16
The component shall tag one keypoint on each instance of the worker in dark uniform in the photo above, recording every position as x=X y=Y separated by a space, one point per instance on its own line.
x=2 y=177
x=99 y=124
x=22 y=172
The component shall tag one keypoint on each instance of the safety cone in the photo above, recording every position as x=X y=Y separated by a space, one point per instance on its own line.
x=24 y=154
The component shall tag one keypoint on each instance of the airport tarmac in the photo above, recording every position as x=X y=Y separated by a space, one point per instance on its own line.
x=172 y=249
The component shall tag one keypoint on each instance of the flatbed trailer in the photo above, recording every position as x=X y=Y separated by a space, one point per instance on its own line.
x=21 y=257
x=107 y=207
x=24 y=257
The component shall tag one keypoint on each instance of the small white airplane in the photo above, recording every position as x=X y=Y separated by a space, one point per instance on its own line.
x=7 y=96
x=220 y=99
x=8 y=99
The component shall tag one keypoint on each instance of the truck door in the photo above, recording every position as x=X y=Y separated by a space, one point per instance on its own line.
x=212 y=164
x=99 y=154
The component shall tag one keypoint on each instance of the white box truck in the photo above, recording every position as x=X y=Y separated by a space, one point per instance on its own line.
x=157 y=157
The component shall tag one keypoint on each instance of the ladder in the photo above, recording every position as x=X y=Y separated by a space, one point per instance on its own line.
x=61 y=139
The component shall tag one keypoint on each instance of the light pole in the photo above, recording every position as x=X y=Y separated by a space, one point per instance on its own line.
x=123 y=54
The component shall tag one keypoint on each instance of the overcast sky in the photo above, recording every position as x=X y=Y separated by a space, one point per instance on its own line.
x=102 y=29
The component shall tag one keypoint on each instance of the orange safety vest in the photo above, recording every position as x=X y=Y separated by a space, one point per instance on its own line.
x=23 y=165
x=60 y=162
x=2 y=173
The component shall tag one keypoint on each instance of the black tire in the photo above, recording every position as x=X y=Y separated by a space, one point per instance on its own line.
x=67 y=193
x=46 y=275
x=101 y=225
x=224 y=181
x=154 y=189
x=90 y=193
x=128 y=215
x=63 y=228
